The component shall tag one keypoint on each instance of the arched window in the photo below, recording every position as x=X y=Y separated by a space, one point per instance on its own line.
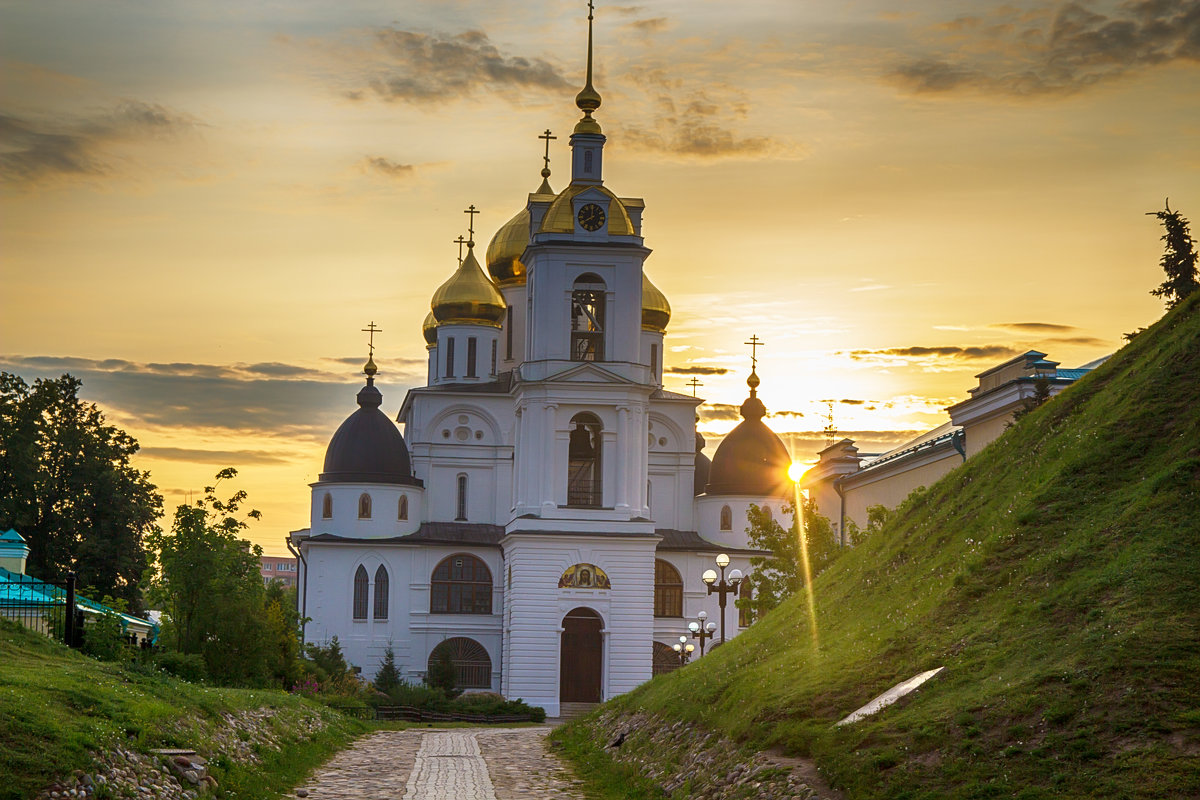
x=364 y=506
x=327 y=507
x=402 y=513
x=583 y=462
x=768 y=514
x=461 y=584
x=360 y=592
x=471 y=662
x=381 y=593
x=665 y=659
x=745 y=615
x=460 y=500
x=587 y=319
x=726 y=518
x=668 y=590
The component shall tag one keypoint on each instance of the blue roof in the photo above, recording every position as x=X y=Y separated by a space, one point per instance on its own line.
x=17 y=589
x=11 y=535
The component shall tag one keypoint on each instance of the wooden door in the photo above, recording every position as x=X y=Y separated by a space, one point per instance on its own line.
x=582 y=657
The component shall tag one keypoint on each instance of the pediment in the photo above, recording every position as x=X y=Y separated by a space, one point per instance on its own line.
x=587 y=372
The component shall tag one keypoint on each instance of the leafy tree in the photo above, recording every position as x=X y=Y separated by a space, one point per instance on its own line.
x=388 y=677
x=328 y=661
x=1179 y=258
x=877 y=517
x=281 y=634
x=67 y=486
x=210 y=584
x=781 y=573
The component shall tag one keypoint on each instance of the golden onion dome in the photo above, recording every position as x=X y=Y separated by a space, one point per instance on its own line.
x=504 y=251
x=656 y=311
x=429 y=329
x=560 y=217
x=469 y=297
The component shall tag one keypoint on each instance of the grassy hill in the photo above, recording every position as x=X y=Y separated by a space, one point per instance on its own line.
x=59 y=708
x=1057 y=578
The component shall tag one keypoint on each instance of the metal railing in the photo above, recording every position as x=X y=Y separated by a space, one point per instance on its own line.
x=36 y=605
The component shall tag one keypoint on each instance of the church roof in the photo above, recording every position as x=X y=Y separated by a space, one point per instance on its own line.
x=673 y=539
x=367 y=447
x=474 y=534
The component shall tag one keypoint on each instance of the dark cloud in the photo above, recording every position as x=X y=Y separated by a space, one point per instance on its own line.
x=387 y=167
x=786 y=414
x=435 y=68
x=42 y=149
x=224 y=457
x=1035 y=327
x=710 y=412
x=1087 y=341
x=849 y=402
x=697 y=370
x=692 y=123
x=1074 y=48
x=651 y=25
x=970 y=353
x=271 y=398
x=804 y=445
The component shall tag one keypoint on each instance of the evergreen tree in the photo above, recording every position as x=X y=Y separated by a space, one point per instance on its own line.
x=68 y=486
x=441 y=674
x=1178 y=260
x=388 y=677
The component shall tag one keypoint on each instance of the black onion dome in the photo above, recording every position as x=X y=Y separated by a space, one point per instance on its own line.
x=368 y=448
x=703 y=465
x=751 y=459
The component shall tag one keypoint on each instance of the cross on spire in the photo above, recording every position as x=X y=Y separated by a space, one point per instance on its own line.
x=471 y=226
x=694 y=382
x=754 y=343
x=546 y=158
x=460 y=241
x=371 y=330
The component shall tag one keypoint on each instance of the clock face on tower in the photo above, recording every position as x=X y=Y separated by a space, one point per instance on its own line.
x=591 y=217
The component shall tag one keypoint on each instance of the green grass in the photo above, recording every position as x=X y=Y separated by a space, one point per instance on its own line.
x=1057 y=577
x=58 y=707
x=603 y=778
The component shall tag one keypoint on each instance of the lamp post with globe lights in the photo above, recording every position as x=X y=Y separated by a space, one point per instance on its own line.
x=684 y=649
x=701 y=629
x=722 y=588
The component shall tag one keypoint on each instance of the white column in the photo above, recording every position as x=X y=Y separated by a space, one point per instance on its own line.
x=549 y=466
x=624 y=452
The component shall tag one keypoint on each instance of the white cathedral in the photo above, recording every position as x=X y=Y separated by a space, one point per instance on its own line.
x=547 y=515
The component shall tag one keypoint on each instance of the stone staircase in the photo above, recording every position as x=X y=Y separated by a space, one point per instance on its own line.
x=572 y=710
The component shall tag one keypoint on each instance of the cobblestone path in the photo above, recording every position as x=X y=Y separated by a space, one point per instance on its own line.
x=456 y=764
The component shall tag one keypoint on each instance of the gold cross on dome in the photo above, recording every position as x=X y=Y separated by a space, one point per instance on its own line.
x=754 y=343
x=547 y=137
x=471 y=226
x=460 y=241
x=694 y=382
x=372 y=330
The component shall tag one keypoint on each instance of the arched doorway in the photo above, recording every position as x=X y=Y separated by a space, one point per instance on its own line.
x=581 y=657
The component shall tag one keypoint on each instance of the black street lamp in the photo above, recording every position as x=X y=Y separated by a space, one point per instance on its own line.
x=684 y=649
x=702 y=631
x=724 y=587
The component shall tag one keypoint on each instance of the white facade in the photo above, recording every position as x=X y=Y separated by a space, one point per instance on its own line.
x=542 y=481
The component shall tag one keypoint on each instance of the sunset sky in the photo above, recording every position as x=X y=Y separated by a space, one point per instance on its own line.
x=204 y=203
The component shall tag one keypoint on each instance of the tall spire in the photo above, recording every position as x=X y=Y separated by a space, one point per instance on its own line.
x=370 y=369
x=588 y=100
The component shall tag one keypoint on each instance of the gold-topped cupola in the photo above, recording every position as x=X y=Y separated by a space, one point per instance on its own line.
x=469 y=297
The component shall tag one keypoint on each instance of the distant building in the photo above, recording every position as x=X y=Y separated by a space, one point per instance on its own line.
x=276 y=568
x=845 y=483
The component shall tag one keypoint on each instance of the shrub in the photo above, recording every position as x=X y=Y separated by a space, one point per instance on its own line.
x=188 y=666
